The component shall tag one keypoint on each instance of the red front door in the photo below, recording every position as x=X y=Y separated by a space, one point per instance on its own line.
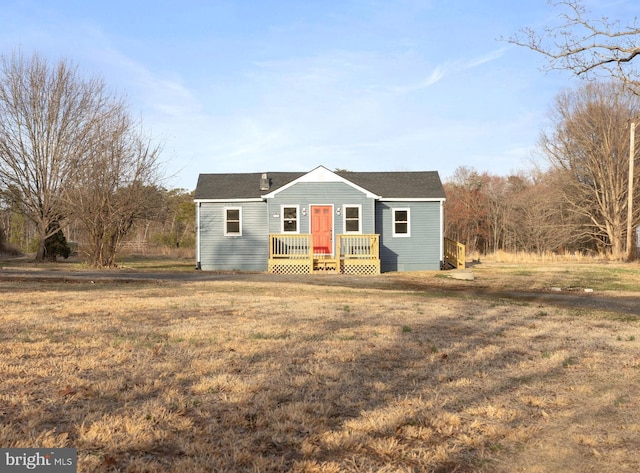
x=322 y=229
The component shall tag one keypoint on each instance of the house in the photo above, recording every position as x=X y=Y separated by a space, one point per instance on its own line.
x=295 y=222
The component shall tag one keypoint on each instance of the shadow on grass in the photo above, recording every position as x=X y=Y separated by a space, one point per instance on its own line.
x=345 y=390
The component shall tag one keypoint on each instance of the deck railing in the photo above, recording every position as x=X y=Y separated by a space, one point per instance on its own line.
x=358 y=247
x=290 y=246
x=359 y=254
x=454 y=253
x=293 y=254
x=290 y=254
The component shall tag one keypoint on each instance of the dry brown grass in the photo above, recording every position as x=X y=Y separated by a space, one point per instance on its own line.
x=259 y=377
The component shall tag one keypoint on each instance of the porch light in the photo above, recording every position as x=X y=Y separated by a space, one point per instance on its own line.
x=304 y=211
x=338 y=211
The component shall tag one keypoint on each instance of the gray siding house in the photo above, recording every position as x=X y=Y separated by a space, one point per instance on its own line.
x=288 y=222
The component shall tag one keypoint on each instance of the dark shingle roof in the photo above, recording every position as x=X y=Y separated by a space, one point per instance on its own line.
x=240 y=186
x=399 y=185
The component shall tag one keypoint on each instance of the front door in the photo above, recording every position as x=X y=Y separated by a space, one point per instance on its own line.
x=322 y=229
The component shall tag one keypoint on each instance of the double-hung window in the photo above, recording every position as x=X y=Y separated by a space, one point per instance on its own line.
x=290 y=219
x=401 y=223
x=352 y=219
x=233 y=221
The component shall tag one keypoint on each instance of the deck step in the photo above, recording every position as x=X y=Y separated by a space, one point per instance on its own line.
x=325 y=264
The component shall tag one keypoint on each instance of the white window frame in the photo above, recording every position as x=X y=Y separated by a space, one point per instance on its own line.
x=344 y=219
x=297 y=207
x=226 y=221
x=394 y=221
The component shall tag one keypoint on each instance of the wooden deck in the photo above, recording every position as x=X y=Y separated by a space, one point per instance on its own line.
x=454 y=254
x=354 y=254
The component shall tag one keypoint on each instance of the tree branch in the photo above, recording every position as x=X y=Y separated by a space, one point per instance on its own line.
x=585 y=45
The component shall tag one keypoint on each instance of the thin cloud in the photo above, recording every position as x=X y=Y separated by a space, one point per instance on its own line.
x=451 y=68
x=167 y=95
x=491 y=56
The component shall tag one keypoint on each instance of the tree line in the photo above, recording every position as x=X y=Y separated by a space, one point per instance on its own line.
x=166 y=226
x=72 y=158
x=580 y=202
x=587 y=199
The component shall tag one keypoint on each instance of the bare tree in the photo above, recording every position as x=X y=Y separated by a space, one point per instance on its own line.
x=466 y=210
x=47 y=118
x=525 y=212
x=539 y=219
x=589 y=146
x=115 y=185
x=585 y=44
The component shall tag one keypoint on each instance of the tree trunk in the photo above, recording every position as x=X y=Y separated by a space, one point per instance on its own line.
x=40 y=253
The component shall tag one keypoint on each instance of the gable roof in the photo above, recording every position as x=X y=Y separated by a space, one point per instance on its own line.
x=322 y=175
x=386 y=185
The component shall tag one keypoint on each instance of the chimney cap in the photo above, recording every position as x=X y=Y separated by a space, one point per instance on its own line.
x=264 y=182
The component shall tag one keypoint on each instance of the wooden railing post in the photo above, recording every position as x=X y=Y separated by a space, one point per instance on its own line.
x=310 y=252
x=462 y=257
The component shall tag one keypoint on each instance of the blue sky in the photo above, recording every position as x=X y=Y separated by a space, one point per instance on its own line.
x=287 y=85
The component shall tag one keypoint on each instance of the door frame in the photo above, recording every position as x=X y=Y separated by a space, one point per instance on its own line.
x=333 y=225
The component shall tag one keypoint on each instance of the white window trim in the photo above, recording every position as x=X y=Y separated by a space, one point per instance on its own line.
x=224 y=216
x=297 y=207
x=393 y=222
x=344 y=219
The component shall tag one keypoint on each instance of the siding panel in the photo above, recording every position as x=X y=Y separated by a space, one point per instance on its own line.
x=248 y=252
x=306 y=194
x=419 y=252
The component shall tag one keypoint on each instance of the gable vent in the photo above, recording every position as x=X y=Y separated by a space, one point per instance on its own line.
x=264 y=182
